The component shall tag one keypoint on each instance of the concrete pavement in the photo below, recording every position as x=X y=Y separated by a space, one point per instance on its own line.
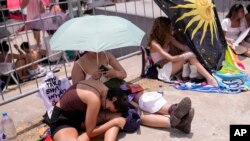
x=213 y=112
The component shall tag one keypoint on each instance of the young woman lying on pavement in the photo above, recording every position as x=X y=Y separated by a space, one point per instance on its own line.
x=159 y=42
x=83 y=103
x=154 y=109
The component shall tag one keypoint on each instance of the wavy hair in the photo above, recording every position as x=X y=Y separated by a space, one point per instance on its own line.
x=161 y=27
x=4 y=47
x=234 y=10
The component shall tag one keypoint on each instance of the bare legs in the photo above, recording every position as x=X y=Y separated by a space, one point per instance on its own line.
x=155 y=120
x=210 y=79
x=177 y=66
x=37 y=38
x=70 y=134
x=247 y=53
x=181 y=116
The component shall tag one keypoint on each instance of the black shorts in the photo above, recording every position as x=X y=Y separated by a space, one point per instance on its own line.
x=62 y=119
x=35 y=29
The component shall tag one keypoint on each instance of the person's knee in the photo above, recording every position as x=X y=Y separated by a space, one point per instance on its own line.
x=247 y=53
x=193 y=60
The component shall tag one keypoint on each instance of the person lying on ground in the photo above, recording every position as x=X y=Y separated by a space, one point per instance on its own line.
x=160 y=38
x=83 y=103
x=154 y=108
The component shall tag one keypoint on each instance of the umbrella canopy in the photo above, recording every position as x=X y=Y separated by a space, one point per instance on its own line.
x=200 y=27
x=96 y=34
x=48 y=21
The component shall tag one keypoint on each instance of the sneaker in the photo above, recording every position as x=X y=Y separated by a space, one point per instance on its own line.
x=185 y=124
x=179 y=111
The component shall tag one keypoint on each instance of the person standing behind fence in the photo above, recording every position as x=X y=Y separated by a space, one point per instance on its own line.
x=34 y=8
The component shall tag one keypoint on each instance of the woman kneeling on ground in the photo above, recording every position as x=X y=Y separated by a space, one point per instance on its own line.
x=159 y=42
x=81 y=104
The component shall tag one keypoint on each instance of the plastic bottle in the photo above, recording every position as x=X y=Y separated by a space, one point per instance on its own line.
x=2 y=134
x=8 y=127
x=160 y=90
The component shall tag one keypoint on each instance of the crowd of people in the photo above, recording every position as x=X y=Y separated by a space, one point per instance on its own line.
x=91 y=107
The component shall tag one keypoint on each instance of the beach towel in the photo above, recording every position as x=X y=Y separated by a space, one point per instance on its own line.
x=231 y=78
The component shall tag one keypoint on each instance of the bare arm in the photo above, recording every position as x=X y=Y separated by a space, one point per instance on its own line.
x=179 y=45
x=18 y=56
x=231 y=41
x=93 y=107
x=18 y=49
x=157 y=47
x=24 y=3
x=77 y=74
x=118 y=70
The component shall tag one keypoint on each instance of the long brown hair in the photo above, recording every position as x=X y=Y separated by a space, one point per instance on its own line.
x=161 y=27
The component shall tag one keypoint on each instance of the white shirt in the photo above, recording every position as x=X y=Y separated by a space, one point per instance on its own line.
x=233 y=32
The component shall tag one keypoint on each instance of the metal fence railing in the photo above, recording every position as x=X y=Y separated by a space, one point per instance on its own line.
x=140 y=12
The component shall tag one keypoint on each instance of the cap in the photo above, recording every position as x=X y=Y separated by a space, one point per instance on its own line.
x=4 y=114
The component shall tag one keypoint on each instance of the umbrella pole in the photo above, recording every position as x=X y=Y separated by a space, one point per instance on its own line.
x=97 y=59
x=97 y=62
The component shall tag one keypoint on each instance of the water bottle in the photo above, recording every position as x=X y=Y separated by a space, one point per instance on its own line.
x=160 y=90
x=8 y=127
x=2 y=134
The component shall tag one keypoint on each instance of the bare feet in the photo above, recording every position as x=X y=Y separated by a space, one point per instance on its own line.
x=212 y=82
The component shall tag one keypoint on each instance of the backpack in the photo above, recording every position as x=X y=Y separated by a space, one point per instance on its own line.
x=149 y=69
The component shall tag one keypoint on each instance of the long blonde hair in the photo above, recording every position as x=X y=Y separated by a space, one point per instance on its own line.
x=161 y=27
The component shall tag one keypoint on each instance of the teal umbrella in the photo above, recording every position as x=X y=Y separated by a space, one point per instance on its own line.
x=96 y=34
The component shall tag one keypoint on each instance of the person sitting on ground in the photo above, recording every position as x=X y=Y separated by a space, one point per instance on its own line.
x=82 y=103
x=233 y=25
x=6 y=57
x=247 y=16
x=154 y=109
x=102 y=67
x=160 y=38
x=31 y=57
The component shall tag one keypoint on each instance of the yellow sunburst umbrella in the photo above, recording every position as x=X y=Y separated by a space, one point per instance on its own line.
x=198 y=22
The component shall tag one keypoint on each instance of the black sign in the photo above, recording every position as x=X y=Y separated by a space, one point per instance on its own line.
x=239 y=132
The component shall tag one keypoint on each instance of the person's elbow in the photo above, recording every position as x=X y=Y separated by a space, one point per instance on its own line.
x=124 y=75
x=90 y=134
